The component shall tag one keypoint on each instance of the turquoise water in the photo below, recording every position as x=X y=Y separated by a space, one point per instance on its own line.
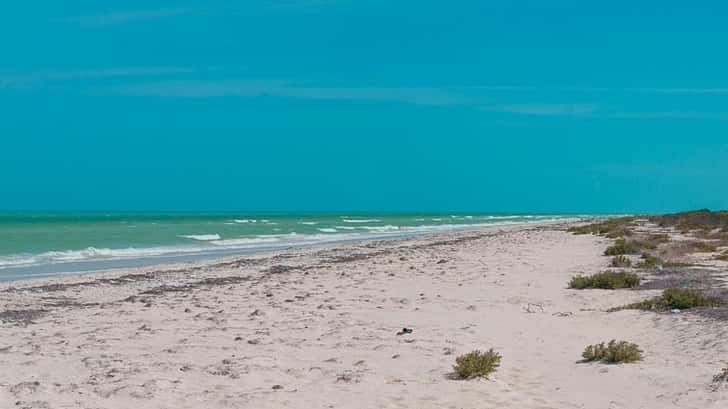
x=52 y=243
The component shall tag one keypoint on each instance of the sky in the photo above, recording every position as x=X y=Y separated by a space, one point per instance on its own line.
x=364 y=105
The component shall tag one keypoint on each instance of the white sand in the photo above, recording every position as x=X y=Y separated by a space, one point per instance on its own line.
x=325 y=332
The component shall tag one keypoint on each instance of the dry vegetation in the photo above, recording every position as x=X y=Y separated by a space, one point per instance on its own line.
x=608 y=280
x=476 y=364
x=703 y=220
x=612 y=353
x=673 y=250
x=611 y=228
x=674 y=299
x=621 y=261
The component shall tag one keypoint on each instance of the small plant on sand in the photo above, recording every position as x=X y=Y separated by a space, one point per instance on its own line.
x=608 y=280
x=621 y=261
x=723 y=256
x=477 y=364
x=674 y=299
x=612 y=353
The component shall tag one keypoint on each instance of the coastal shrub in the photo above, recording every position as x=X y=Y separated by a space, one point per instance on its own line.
x=618 y=232
x=611 y=228
x=477 y=364
x=620 y=247
x=703 y=219
x=658 y=238
x=674 y=299
x=723 y=256
x=612 y=353
x=621 y=261
x=650 y=261
x=607 y=280
x=623 y=246
x=701 y=247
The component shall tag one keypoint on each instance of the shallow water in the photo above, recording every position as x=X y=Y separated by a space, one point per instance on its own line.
x=42 y=244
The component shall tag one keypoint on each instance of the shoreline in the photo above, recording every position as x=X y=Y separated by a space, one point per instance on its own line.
x=318 y=327
x=59 y=270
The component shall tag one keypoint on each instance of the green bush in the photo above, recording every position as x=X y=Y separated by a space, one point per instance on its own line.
x=477 y=364
x=612 y=353
x=658 y=238
x=621 y=261
x=698 y=247
x=608 y=280
x=618 y=232
x=622 y=246
x=723 y=256
x=703 y=219
x=650 y=261
x=611 y=228
x=674 y=299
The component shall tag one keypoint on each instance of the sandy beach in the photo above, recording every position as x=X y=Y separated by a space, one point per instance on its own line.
x=317 y=328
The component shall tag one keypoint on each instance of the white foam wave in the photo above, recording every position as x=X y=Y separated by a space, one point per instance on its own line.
x=309 y=223
x=388 y=227
x=360 y=220
x=92 y=253
x=202 y=237
x=210 y=243
x=245 y=221
x=245 y=241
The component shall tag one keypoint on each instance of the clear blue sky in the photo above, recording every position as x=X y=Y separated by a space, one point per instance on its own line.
x=558 y=105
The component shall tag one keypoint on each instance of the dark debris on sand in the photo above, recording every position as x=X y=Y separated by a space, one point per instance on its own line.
x=21 y=317
x=681 y=277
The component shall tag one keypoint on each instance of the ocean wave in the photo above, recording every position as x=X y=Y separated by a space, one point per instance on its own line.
x=212 y=243
x=360 y=220
x=16 y=260
x=388 y=227
x=202 y=237
x=92 y=253
x=309 y=223
x=244 y=241
x=245 y=221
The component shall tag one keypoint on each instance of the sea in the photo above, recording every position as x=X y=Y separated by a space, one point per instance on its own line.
x=43 y=244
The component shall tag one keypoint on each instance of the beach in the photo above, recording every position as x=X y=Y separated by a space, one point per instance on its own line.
x=322 y=327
